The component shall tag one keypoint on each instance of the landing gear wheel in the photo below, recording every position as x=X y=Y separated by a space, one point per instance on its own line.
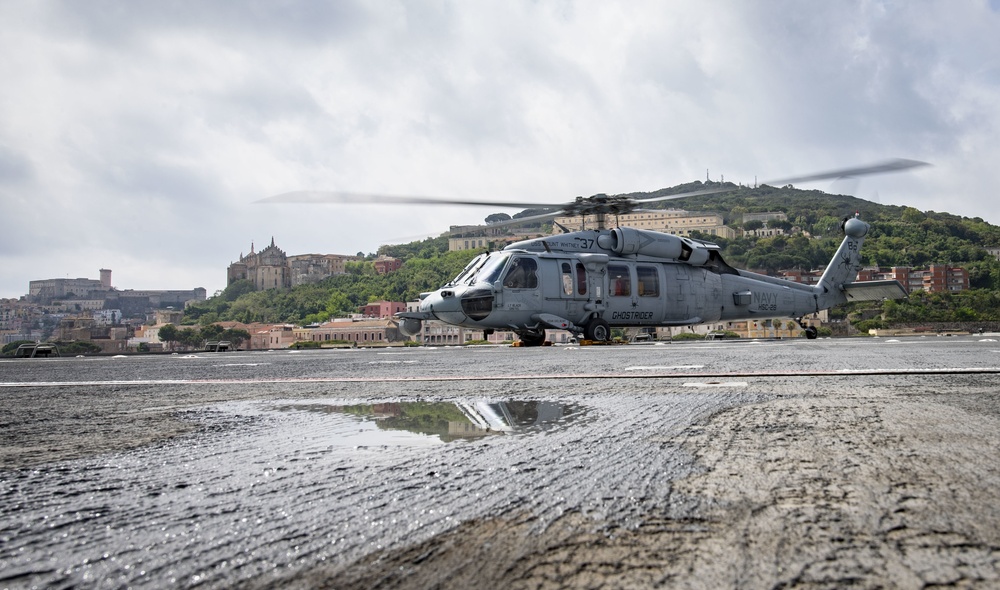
x=598 y=330
x=532 y=338
x=811 y=333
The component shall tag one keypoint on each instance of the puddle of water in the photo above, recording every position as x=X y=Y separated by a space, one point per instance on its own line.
x=422 y=423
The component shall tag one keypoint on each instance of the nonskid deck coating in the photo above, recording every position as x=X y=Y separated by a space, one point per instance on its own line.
x=246 y=493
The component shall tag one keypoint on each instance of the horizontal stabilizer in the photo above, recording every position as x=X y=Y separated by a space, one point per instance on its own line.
x=874 y=290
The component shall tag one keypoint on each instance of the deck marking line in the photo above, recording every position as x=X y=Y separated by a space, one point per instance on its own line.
x=557 y=376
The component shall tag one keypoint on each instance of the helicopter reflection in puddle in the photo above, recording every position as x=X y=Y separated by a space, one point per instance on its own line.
x=446 y=421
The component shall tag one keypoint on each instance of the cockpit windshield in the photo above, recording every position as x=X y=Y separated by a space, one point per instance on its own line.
x=490 y=271
x=469 y=270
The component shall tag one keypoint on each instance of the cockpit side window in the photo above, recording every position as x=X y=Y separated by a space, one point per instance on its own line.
x=522 y=274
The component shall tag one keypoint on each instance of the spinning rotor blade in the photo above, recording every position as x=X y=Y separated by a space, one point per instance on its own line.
x=543 y=217
x=599 y=204
x=895 y=165
x=707 y=191
x=347 y=198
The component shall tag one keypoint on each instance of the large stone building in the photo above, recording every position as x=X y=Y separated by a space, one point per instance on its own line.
x=271 y=268
x=52 y=289
x=89 y=294
x=670 y=221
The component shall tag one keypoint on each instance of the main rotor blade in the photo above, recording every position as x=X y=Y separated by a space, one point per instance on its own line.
x=895 y=165
x=707 y=191
x=347 y=198
x=543 y=217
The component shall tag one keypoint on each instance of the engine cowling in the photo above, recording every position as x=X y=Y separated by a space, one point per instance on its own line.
x=627 y=240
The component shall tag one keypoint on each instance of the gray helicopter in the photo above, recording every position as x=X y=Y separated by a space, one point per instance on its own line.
x=590 y=281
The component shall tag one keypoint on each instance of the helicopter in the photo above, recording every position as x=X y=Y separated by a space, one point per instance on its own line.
x=590 y=281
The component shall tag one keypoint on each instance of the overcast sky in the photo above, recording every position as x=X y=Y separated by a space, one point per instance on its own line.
x=136 y=135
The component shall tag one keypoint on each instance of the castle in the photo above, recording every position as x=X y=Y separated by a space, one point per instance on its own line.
x=99 y=294
x=271 y=268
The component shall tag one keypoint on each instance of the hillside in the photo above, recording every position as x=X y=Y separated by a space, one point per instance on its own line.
x=901 y=236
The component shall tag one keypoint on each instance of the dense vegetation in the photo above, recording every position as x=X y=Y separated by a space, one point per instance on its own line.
x=427 y=265
x=901 y=236
x=192 y=337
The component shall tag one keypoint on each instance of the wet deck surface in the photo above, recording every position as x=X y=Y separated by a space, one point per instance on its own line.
x=753 y=464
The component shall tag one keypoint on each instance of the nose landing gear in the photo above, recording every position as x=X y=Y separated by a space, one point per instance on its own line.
x=531 y=338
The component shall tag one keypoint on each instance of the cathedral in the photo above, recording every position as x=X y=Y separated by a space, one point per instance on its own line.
x=271 y=268
x=267 y=269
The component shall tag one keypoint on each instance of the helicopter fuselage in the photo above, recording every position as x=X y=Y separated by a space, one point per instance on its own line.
x=589 y=281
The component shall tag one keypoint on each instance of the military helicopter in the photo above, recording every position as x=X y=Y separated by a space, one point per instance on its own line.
x=590 y=281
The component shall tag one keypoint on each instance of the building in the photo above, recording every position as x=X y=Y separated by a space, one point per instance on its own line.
x=382 y=309
x=358 y=332
x=267 y=269
x=937 y=278
x=765 y=216
x=806 y=277
x=766 y=232
x=307 y=269
x=75 y=295
x=387 y=264
x=86 y=328
x=489 y=243
x=270 y=336
x=486 y=237
x=271 y=268
x=669 y=221
x=48 y=290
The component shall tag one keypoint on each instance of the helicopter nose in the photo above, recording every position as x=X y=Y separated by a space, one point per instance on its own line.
x=459 y=306
x=444 y=305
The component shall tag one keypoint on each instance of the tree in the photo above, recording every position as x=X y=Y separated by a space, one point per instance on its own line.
x=236 y=336
x=497 y=218
x=190 y=337
x=168 y=334
x=9 y=349
x=212 y=332
x=238 y=288
x=911 y=215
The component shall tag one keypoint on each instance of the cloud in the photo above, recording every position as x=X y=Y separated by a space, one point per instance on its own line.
x=136 y=136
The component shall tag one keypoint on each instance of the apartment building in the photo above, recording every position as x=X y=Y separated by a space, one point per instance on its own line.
x=937 y=278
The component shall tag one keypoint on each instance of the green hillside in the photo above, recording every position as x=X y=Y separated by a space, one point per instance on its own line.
x=901 y=236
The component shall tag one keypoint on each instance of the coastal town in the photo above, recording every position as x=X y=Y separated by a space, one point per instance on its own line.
x=116 y=321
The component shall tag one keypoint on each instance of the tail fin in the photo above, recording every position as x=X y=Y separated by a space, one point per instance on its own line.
x=845 y=265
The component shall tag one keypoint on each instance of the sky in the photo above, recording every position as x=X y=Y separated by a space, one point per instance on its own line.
x=137 y=135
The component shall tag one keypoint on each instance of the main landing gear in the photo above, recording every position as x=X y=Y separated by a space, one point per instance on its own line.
x=810 y=331
x=597 y=330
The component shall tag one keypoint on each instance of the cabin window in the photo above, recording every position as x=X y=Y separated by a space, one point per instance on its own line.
x=567 y=278
x=649 y=281
x=522 y=274
x=581 y=279
x=621 y=280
